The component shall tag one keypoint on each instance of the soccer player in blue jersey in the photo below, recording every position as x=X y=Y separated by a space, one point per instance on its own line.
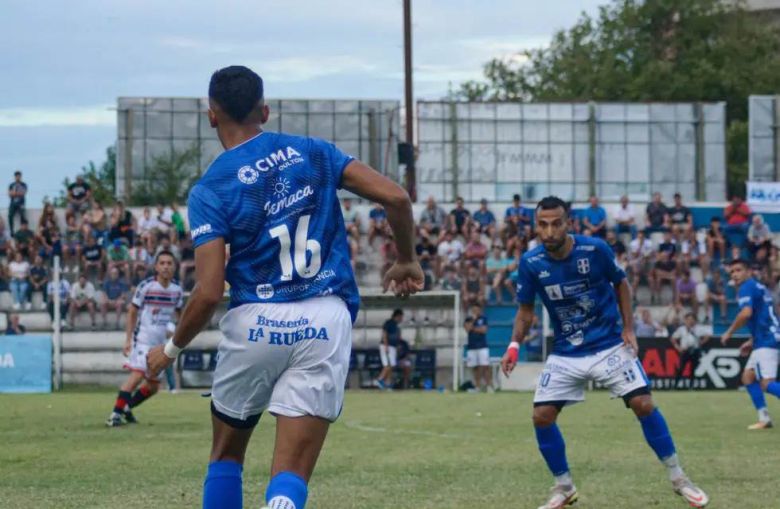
x=288 y=333
x=586 y=294
x=756 y=309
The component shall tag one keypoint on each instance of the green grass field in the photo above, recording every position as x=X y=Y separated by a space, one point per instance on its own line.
x=389 y=450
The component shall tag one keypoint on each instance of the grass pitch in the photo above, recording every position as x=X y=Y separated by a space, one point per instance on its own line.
x=388 y=450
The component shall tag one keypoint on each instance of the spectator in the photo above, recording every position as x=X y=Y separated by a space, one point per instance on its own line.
x=693 y=252
x=116 y=294
x=377 y=223
x=656 y=215
x=640 y=259
x=5 y=240
x=388 y=251
x=72 y=249
x=664 y=271
x=534 y=342
x=432 y=220
x=594 y=218
x=688 y=342
x=39 y=278
x=351 y=220
x=484 y=220
x=122 y=224
x=475 y=251
x=758 y=234
x=680 y=217
x=617 y=247
x=519 y=216
x=17 y=194
x=140 y=272
x=774 y=264
x=148 y=226
x=179 y=226
x=47 y=227
x=186 y=262
x=14 y=328
x=82 y=296
x=460 y=219
x=451 y=281
x=674 y=317
x=426 y=255
x=625 y=218
x=24 y=239
x=716 y=294
x=20 y=283
x=737 y=215
x=98 y=221
x=119 y=258
x=646 y=327
x=164 y=219
x=716 y=242
x=404 y=361
x=64 y=290
x=668 y=245
x=391 y=333
x=5 y=279
x=139 y=256
x=79 y=197
x=477 y=352
x=497 y=275
x=686 y=292
x=92 y=258
x=450 y=251
x=473 y=291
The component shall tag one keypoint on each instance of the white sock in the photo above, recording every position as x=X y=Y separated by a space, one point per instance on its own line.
x=763 y=415
x=673 y=467
x=281 y=502
x=564 y=479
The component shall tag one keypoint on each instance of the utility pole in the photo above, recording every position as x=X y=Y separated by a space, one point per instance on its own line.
x=411 y=177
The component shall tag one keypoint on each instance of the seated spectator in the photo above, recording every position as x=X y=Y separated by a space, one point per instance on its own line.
x=760 y=264
x=72 y=247
x=39 y=278
x=179 y=230
x=640 y=259
x=79 y=197
x=694 y=252
x=186 y=263
x=497 y=275
x=646 y=327
x=451 y=281
x=618 y=248
x=625 y=218
x=351 y=220
x=140 y=272
x=64 y=290
x=758 y=234
x=377 y=223
x=450 y=251
x=139 y=254
x=594 y=218
x=24 y=239
x=433 y=220
x=460 y=219
x=82 y=296
x=668 y=245
x=484 y=220
x=475 y=251
x=97 y=219
x=520 y=216
x=680 y=217
x=14 y=328
x=737 y=215
x=516 y=238
x=116 y=296
x=119 y=258
x=92 y=259
x=426 y=255
x=122 y=224
x=716 y=242
x=20 y=281
x=664 y=271
x=656 y=215
x=164 y=219
x=673 y=318
x=473 y=290
x=686 y=292
x=716 y=294
x=148 y=226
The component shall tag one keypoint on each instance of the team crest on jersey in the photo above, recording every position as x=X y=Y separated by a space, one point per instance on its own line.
x=583 y=265
x=554 y=292
x=248 y=175
x=264 y=291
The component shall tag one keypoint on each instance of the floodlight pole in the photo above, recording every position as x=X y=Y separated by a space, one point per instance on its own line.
x=411 y=178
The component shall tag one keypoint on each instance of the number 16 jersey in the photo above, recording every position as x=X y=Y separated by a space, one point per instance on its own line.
x=273 y=199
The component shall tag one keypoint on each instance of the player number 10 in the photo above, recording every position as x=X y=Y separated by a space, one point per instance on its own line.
x=302 y=246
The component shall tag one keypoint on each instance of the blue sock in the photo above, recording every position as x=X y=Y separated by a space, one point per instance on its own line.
x=285 y=489
x=756 y=395
x=774 y=389
x=222 y=488
x=657 y=434
x=553 y=449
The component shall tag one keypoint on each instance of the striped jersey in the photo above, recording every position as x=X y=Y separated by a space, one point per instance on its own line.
x=156 y=304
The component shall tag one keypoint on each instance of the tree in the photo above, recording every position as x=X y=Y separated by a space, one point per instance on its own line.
x=649 y=50
x=101 y=179
x=168 y=178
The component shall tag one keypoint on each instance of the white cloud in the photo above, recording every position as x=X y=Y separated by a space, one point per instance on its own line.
x=295 y=69
x=100 y=115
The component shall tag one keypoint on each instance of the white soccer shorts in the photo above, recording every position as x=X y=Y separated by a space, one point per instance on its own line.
x=388 y=356
x=565 y=378
x=477 y=357
x=289 y=358
x=764 y=362
x=137 y=360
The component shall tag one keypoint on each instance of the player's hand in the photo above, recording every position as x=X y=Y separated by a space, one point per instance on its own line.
x=629 y=339
x=509 y=360
x=745 y=348
x=724 y=338
x=127 y=349
x=404 y=279
x=157 y=361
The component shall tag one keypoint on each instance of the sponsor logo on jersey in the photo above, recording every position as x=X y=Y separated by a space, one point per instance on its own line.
x=583 y=265
x=264 y=291
x=281 y=159
x=585 y=248
x=544 y=274
x=200 y=230
x=577 y=338
x=575 y=288
x=281 y=187
x=554 y=292
x=248 y=175
x=274 y=208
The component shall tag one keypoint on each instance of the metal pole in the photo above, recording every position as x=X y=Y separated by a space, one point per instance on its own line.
x=57 y=338
x=456 y=355
x=411 y=184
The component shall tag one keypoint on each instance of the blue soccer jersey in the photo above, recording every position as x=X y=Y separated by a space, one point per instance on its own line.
x=578 y=294
x=763 y=323
x=273 y=199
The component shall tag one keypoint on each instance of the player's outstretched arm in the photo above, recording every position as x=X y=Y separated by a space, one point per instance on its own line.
x=405 y=276
x=740 y=320
x=524 y=319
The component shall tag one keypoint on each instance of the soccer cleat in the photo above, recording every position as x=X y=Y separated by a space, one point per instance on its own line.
x=130 y=418
x=761 y=425
x=561 y=496
x=114 y=420
x=690 y=492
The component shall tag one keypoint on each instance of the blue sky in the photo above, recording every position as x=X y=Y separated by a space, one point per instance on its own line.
x=65 y=63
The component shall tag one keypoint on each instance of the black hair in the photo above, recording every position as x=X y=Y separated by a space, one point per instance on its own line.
x=237 y=90
x=17 y=173
x=398 y=312
x=516 y=197
x=691 y=315
x=740 y=261
x=164 y=252
x=551 y=203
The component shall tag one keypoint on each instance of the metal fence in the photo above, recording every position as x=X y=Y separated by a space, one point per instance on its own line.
x=764 y=138
x=151 y=127
x=573 y=150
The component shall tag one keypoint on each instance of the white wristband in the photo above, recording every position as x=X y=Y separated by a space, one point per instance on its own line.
x=171 y=350
x=515 y=345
